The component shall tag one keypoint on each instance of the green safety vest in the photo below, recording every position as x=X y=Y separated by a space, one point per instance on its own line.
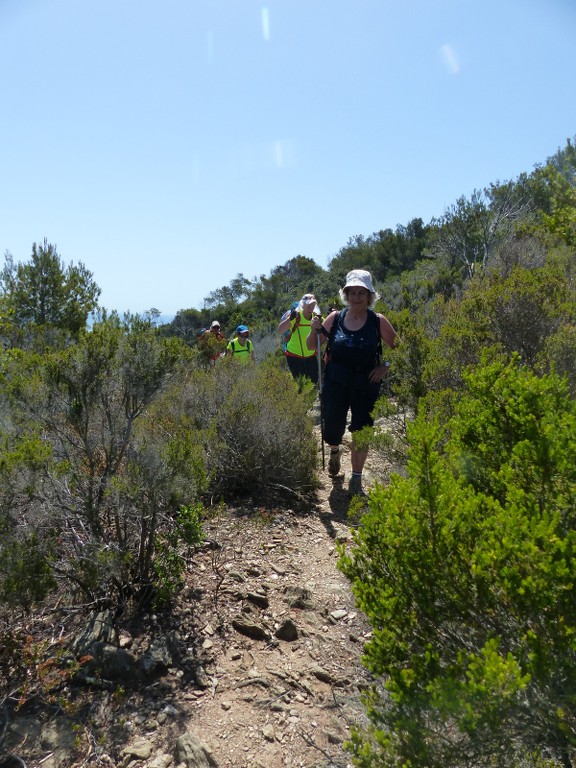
x=239 y=351
x=296 y=346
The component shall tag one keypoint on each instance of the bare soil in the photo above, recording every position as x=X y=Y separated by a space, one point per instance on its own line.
x=273 y=642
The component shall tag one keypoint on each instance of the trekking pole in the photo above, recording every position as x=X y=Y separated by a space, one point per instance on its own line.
x=321 y=409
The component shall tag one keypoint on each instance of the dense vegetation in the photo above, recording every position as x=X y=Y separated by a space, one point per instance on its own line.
x=117 y=437
x=466 y=571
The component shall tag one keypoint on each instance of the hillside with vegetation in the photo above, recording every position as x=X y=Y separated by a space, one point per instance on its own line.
x=123 y=450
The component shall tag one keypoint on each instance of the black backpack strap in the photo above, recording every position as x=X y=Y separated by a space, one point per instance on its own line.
x=337 y=320
x=377 y=328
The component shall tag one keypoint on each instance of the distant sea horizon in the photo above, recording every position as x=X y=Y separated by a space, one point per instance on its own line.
x=163 y=319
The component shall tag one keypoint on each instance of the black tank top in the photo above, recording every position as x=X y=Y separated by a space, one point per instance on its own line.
x=356 y=350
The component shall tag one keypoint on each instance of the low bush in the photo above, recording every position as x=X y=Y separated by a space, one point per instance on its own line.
x=256 y=431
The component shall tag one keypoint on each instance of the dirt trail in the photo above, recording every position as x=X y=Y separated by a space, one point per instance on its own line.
x=281 y=702
x=268 y=670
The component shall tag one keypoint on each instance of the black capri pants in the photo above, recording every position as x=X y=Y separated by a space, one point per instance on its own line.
x=344 y=390
x=303 y=366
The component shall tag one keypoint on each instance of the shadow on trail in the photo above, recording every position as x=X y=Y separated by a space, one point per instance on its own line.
x=339 y=504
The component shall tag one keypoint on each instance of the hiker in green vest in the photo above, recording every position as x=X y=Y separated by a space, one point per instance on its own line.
x=241 y=348
x=301 y=360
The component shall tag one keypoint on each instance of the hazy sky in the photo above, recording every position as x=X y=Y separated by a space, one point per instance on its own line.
x=171 y=144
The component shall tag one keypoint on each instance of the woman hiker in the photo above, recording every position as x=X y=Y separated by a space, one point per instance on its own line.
x=354 y=370
x=301 y=359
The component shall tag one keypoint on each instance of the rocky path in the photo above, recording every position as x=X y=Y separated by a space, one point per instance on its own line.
x=283 y=646
x=267 y=672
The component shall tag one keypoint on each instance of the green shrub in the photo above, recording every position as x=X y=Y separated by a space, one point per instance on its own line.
x=264 y=444
x=107 y=478
x=25 y=571
x=559 y=354
x=171 y=552
x=256 y=431
x=26 y=544
x=466 y=571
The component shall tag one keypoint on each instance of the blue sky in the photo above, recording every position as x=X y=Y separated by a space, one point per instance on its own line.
x=171 y=144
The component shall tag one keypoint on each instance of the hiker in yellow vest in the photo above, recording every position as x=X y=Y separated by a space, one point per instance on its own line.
x=241 y=348
x=301 y=360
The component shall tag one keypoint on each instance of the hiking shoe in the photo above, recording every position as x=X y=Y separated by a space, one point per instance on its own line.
x=334 y=463
x=355 y=487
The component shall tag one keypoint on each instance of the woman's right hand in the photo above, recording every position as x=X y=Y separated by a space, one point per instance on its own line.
x=316 y=323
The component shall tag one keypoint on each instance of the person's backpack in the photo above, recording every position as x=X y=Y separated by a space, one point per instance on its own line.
x=340 y=319
x=286 y=336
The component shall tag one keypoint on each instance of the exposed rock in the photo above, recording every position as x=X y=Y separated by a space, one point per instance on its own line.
x=287 y=631
x=99 y=629
x=258 y=599
x=158 y=658
x=111 y=663
x=202 y=679
x=299 y=597
x=160 y=761
x=140 y=749
x=250 y=629
x=235 y=575
x=125 y=639
x=194 y=753
x=58 y=734
x=322 y=674
x=342 y=535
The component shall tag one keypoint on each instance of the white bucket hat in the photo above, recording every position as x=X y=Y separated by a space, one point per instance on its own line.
x=360 y=278
x=307 y=300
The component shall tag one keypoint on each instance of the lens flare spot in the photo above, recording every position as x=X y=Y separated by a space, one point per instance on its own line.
x=450 y=59
x=282 y=153
x=265 y=24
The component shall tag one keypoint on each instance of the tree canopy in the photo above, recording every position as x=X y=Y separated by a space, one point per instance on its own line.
x=44 y=292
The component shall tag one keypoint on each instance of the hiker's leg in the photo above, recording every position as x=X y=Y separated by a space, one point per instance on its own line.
x=362 y=406
x=334 y=412
x=358 y=458
x=310 y=365
x=293 y=366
